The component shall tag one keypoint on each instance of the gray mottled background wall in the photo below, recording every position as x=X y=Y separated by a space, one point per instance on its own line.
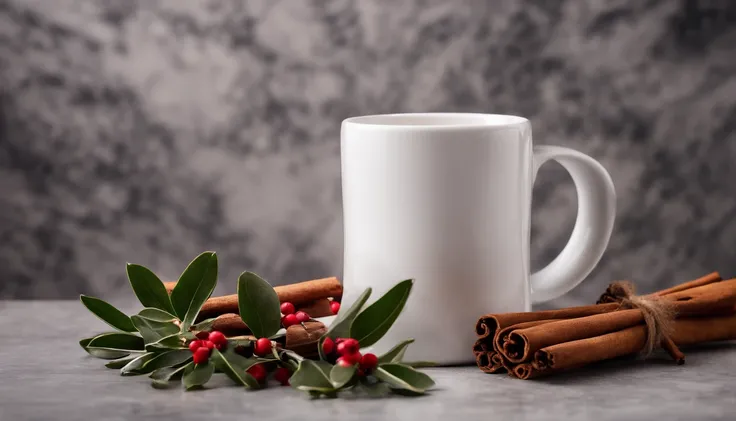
x=148 y=131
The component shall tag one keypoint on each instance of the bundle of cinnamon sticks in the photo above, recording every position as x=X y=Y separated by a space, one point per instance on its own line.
x=313 y=297
x=535 y=344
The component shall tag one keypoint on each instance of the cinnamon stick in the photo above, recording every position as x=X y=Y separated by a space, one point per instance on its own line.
x=702 y=281
x=609 y=297
x=303 y=339
x=169 y=285
x=484 y=357
x=487 y=363
x=317 y=308
x=505 y=344
x=522 y=342
x=575 y=354
x=499 y=360
x=230 y=324
x=299 y=294
x=480 y=347
x=489 y=324
x=524 y=334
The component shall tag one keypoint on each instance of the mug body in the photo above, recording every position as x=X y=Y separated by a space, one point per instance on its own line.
x=444 y=199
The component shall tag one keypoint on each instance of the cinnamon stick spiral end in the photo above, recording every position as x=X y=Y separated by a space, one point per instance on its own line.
x=543 y=360
x=481 y=329
x=480 y=346
x=524 y=371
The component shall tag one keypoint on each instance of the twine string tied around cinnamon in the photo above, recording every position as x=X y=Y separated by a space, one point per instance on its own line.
x=658 y=314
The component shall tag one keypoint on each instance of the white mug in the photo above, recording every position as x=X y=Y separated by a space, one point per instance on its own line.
x=445 y=199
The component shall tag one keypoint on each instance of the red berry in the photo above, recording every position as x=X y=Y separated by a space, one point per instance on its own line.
x=208 y=344
x=282 y=375
x=287 y=308
x=338 y=340
x=219 y=339
x=344 y=362
x=360 y=372
x=302 y=317
x=328 y=346
x=351 y=345
x=201 y=355
x=258 y=372
x=368 y=362
x=347 y=346
x=334 y=307
x=202 y=335
x=353 y=358
x=194 y=345
x=262 y=347
x=289 y=320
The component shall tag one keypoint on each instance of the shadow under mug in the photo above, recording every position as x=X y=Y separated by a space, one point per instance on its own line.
x=445 y=199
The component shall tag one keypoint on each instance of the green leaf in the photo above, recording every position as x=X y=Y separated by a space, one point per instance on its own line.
x=104 y=353
x=400 y=376
x=166 y=343
x=108 y=313
x=166 y=374
x=120 y=363
x=204 y=325
x=233 y=366
x=117 y=340
x=290 y=359
x=134 y=367
x=258 y=305
x=167 y=359
x=163 y=376
x=340 y=376
x=194 y=287
x=240 y=362
x=153 y=330
x=150 y=291
x=324 y=367
x=312 y=376
x=373 y=322
x=340 y=326
x=196 y=375
x=189 y=336
x=395 y=354
x=157 y=315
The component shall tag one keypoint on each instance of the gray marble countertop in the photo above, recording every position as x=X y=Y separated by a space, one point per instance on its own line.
x=45 y=375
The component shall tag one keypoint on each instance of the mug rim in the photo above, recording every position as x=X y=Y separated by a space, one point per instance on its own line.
x=436 y=120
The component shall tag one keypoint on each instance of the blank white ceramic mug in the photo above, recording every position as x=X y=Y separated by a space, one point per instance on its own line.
x=445 y=199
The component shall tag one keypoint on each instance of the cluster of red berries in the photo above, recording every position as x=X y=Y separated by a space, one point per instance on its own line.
x=259 y=372
x=203 y=345
x=261 y=348
x=348 y=352
x=291 y=316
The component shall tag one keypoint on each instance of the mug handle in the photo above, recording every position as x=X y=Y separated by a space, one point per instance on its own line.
x=593 y=227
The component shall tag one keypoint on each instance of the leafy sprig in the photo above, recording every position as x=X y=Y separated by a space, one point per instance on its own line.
x=154 y=340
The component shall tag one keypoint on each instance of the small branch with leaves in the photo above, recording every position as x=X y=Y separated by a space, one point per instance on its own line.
x=167 y=341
